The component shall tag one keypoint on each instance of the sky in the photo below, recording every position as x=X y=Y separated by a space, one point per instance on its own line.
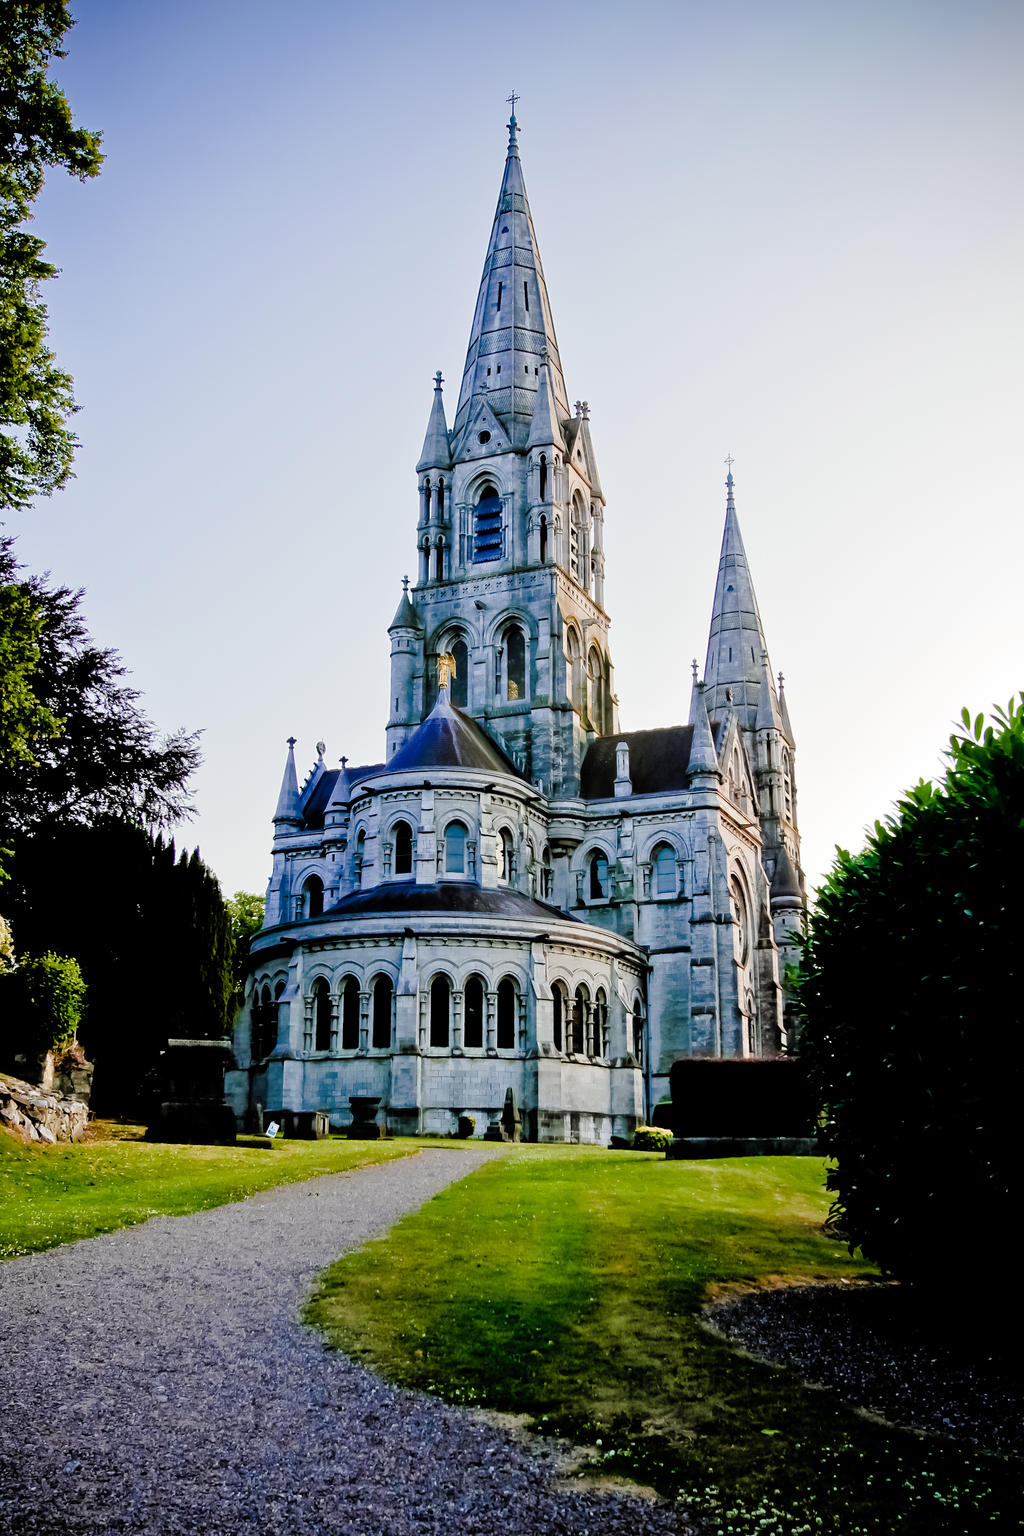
x=789 y=232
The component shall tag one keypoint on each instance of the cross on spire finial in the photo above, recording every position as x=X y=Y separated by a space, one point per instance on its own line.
x=729 y=462
x=291 y=741
x=513 y=99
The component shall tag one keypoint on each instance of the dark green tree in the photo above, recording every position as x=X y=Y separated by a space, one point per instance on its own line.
x=80 y=747
x=36 y=133
x=911 y=989
x=151 y=932
x=40 y=1005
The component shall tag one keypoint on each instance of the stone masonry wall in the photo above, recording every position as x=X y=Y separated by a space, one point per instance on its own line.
x=38 y=1115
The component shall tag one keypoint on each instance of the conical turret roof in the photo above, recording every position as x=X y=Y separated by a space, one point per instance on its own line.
x=512 y=325
x=449 y=739
x=436 y=452
x=406 y=615
x=288 y=799
x=736 y=645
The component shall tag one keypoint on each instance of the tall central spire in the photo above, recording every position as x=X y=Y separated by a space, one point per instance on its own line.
x=512 y=326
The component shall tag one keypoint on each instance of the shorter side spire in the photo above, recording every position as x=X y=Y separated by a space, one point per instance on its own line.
x=437 y=453
x=288 y=811
x=703 y=757
x=769 y=715
x=544 y=428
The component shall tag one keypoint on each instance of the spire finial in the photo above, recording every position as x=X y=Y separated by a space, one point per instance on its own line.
x=513 y=126
x=291 y=742
x=438 y=381
x=781 y=681
x=585 y=410
x=730 y=505
x=405 y=585
x=693 y=665
x=343 y=760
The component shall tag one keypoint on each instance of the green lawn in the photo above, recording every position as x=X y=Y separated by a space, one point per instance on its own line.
x=51 y=1195
x=566 y=1284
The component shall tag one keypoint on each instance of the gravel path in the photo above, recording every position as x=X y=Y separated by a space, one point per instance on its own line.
x=156 y=1380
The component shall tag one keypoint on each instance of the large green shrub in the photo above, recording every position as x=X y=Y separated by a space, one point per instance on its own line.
x=42 y=1004
x=911 y=986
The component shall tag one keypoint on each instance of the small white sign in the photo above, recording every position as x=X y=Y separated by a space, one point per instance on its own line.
x=272 y=1129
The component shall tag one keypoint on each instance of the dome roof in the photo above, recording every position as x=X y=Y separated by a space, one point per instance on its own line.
x=400 y=896
x=449 y=739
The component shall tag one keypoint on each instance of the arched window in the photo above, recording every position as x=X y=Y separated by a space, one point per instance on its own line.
x=578 y=1023
x=321 y=1015
x=663 y=868
x=543 y=489
x=787 y=785
x=264 y=1024
x=741 y=921
x=545 y=874
x=440 y=1001
x=439 y=560
x=506 y=857
x=350 y=1014
x=595 y=688
x=473 y=1014
x=313 y=897
x=506 y=1036
x=455 y=848
x=543 y=539
x=487 y=525
x=574 y=667
x=600 y=1024
x=382 y=995
x=402 y=833
x=359 y=855
x=638 y=1033
x=577 y=540
x=558 y=1012
x=458 y=687
x=598 y=885
x=515 y=662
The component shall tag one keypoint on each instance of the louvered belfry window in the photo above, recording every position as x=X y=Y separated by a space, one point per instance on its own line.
x=487 y=526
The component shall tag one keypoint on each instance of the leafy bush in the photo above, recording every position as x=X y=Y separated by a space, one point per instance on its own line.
x=911 y=986
x=43 y=1002
x=651 y=1138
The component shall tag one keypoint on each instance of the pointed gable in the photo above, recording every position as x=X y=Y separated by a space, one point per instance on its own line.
x=512 y=327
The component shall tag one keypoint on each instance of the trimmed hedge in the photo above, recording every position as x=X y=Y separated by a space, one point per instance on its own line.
x=741 y=1097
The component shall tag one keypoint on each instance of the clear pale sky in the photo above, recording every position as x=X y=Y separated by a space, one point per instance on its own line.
x=790 y=232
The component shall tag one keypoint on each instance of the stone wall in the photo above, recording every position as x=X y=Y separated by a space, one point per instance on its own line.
x=37 y=1114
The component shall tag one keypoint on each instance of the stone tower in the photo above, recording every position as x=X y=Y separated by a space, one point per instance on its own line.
x=509 y=535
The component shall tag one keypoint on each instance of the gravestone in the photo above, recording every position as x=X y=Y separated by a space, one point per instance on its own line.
x=192 y=1107
x=364 y=1125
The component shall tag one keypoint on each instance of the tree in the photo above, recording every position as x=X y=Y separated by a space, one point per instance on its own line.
x=911 y=986
x=152 y=934
x=42 y=1005
x=36 y=133
x=78 y=746
x=245 y=914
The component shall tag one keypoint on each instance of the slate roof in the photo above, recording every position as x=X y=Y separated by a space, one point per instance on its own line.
x=320 y=799
x=398 y=896
x=658 y=762
x=449 y=739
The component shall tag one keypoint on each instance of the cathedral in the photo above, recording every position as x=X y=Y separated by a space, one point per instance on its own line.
x=521 y=895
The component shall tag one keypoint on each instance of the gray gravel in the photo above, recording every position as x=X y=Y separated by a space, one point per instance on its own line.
x=157 y=1380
